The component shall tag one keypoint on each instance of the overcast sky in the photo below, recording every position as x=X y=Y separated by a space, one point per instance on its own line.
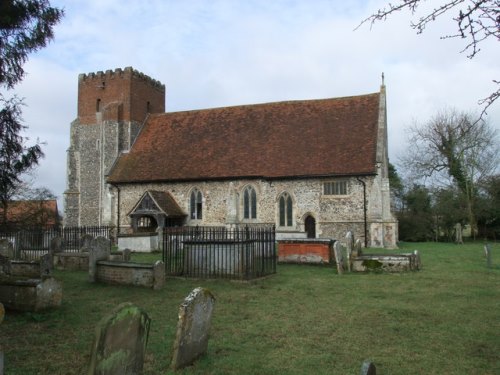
x=220 y=53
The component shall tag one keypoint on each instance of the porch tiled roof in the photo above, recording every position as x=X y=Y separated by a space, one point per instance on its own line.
x=327 y=137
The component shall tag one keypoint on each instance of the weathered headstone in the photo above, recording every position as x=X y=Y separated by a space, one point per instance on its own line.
x=46 y=265
x=337 y=250
x=6 y=248
x=86 y=242
x=349 y=240
x=56 y=245
x=487 y=252
x=418 y=260
x=158 y=275
x=368 y=368
x=193 y=327
x=100 y=250
x=120 y=344
x=458 y=233
x=357 y=248
x=126 y=255
x=5 y=265
x=2 y=312
x=1 y=363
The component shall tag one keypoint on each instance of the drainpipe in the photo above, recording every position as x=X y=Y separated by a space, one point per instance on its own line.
x=364 y=210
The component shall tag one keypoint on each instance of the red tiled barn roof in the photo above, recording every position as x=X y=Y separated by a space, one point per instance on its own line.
x=328 y=137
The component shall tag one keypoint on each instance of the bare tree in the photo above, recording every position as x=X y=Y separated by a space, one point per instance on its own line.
x=454 y=145
x=475 y=21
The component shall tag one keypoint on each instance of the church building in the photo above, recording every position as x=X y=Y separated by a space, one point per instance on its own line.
x=313 y=168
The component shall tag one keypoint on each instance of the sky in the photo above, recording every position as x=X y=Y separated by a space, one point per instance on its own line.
x=230 y=52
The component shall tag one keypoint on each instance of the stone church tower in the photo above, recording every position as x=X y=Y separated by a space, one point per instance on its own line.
x=112 y=107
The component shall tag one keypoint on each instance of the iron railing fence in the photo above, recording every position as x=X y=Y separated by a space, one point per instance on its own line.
x=32 y=243
x=218 y=252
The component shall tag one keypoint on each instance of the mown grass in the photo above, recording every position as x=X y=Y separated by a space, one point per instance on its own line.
x=444 y=319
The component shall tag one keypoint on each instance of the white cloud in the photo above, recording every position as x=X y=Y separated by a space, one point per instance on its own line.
x=221 y=53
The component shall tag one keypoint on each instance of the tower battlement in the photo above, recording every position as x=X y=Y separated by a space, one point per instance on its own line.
x=126 y=73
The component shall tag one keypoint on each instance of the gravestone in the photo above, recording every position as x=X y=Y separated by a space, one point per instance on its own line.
x=339 y=259
x=368 y=368
x=86 y=242
x=458 y=233
x=487 y=252
x=349 y=240
x=418 y=260
x=120 y=343
x=195 y=318
x=100 y=250
x=2 y=312
x=126 y=255
x=6 y=248
x=56 y=245
x=1 y=363
x=46 y=265
x=5 y=265
x=357 y=248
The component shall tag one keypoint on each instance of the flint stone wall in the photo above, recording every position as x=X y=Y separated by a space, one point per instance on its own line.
x=30 y=294
x=223 y=204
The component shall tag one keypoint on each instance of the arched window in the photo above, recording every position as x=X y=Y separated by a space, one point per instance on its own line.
x=196 y=205
x=286 y=210
x=249 y=203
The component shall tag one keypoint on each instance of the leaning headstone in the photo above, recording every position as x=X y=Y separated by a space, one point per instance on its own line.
x=56 y=245
x=487 y=251
x=100 y=250
x=6 y=248
x=337 y=249
x=46 y=265
x=349 y=240
x=86 y=242
x=458 y=233
x=368 y=368
x=193 y=327
x=120 y=343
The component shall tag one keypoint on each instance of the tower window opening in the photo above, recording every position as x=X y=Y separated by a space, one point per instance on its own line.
x=98 y=105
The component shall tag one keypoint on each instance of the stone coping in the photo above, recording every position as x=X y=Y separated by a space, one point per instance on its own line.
x=139 y=234
x=215 y=241
x=83 y=254
x=307 y=240
x=125 y=264
x=19 y=281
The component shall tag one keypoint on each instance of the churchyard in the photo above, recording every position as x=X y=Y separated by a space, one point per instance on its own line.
x=305 y=319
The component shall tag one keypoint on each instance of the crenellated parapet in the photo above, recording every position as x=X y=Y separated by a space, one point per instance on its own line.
x=118 y=73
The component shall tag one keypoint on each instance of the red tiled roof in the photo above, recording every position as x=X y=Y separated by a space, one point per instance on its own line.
x=325 y=137
x=32 y=212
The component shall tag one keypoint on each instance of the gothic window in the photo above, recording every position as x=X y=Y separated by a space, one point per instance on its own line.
x=335 y=188
x=286 y=210
x=196 y=205
x=249 y=203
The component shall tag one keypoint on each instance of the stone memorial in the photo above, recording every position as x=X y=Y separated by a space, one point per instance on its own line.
x=100 y=250
x=6 y=248
x=86 y=242
x=339 y=259
x=368 y=368
x=193 y=328
x=458 y=234
x=120 y=344
x=56 y=245
x=349 y=240
x=46 y=265
x=487 y=252
x=357 y=249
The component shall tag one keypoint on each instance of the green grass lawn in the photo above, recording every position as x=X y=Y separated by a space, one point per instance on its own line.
x=444 y=319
